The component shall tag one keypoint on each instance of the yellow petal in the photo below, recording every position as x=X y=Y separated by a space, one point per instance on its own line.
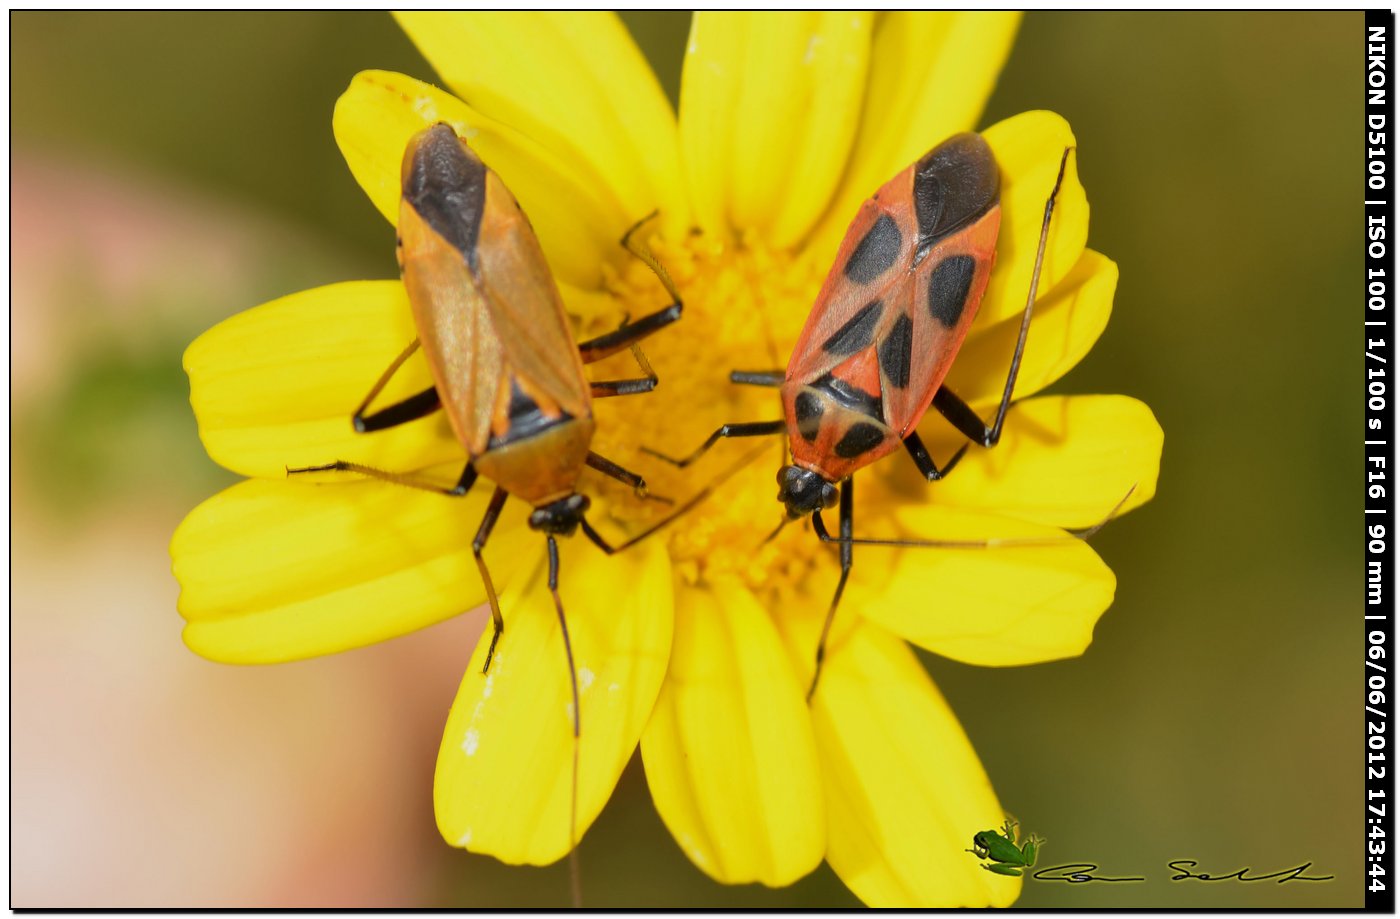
x=998 y=606
x=575 y=83
x=769 y=107
x=1062 y=460
x=275 y=386
x=728 y=751
x=276 y=571
x=1064 y=326
x=905 y=791
x=578 y=221
x=504 y=771
x=1028 y=148
x=930 y=76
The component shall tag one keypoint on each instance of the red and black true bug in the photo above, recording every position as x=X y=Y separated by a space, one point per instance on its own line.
x=882 y=336
x=505 y=367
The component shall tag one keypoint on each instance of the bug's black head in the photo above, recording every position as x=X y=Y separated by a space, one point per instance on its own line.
x=803 y=491
x=560 y=517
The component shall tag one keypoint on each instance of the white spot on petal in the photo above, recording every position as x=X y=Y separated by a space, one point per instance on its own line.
x=425 y=107
x=470 y=741
x=585 y=679
x=465 y=839
x=614 y=687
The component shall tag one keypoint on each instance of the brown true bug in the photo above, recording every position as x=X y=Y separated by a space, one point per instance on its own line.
x=882 y=336
x=505 y=368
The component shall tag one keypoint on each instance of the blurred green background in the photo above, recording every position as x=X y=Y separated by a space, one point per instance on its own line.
x=170 y=170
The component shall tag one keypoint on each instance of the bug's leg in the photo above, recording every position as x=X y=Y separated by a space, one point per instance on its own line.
x=757 y=377
x=847 y=552
x=605 y=388
x=410 y=409
x=744 y=429
x=640 y=251
x=630 y=333
x=694 y=500
x=608 y=468
x=575 y=885
x=483 y=533
x=772 y=378
x=609 y=549
x=920 y=455
x=595 y=349
x=464 y=482
x=955 y=409
x=597 y=538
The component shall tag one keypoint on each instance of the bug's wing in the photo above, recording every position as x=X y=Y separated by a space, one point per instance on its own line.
x=938 y=304
x=454 y=326
x=908 y=279
x=539 y=356
x=488 y=315
x=871 y=269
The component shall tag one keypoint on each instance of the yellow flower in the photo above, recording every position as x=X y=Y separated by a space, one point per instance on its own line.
x=698 y=642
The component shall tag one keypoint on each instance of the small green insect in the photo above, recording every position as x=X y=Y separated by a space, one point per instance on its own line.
x=1001 y=849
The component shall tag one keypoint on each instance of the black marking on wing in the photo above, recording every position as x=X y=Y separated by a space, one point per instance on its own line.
x=897 y=352
x=446 y=185
x=526 y=419
x=948 y=285
x=848 y=396
x=808 y=410
x=858 y=331
x=875 y=252
x=954 y=184
x=859 y=438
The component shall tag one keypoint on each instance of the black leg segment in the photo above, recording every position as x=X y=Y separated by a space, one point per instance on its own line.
x=411 y=409
x=745 y=429
x=920 y=455
x=607 y=388
x=595 y=349
x=414 y=407
x=757 y=377
x=847 y=555
x=608 y=468
x=483 y=533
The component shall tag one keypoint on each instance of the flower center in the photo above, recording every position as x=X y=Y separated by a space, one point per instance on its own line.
x=744 y=306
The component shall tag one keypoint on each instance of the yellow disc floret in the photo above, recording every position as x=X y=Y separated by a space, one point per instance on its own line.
x=744 y=305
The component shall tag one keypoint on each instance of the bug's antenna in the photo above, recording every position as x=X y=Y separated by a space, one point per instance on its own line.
x=1090 y=531
x=575 y=883
x=995 y=433
x=774 y=535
